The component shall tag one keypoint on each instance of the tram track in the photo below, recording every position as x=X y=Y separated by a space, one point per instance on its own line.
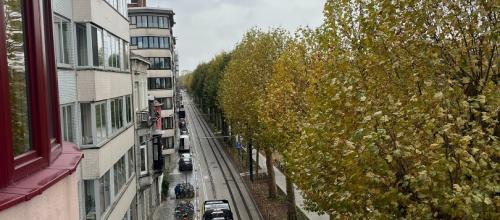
x=229 y=178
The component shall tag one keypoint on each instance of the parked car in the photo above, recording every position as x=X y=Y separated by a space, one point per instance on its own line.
x=186 y=155
x=184 y=145
x=217 y=209
x=185 y=164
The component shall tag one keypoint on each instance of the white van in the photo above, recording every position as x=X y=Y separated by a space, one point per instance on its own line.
x=184 y=144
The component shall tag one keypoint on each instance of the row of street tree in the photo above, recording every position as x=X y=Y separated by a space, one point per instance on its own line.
x=390 y=109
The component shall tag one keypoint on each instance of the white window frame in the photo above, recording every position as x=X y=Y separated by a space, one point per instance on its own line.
x=65 y=131
x=59 y=20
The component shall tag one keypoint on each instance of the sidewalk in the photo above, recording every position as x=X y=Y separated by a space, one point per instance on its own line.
x=281 y=183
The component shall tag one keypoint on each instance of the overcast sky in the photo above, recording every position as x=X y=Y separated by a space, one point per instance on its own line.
x=206 y=27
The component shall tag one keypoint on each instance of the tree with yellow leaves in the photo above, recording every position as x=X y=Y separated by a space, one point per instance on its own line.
x=243 y=86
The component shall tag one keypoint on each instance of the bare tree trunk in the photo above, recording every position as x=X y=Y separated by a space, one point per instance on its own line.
x=290 y=196
x=270 y=172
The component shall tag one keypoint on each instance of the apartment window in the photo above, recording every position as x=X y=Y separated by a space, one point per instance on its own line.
x=159 y=63
x=133 y=41
x=144 y=158
x=167 y=103
x=151 y=42
x=160 y=83
x=67 y=123
x=128 y=108
x=86 y=120
x=90 y=212
x=62 y=39
x=167 y=123
x=119 y=5
x=100 y=122
x=162 y=22
x=142 y=21
x=112 y=50
x=149 y=21
x=104 y=192
x=125 y=56
x=131 y=162
x=167 y=142
x=119 y=174
x=152 y=21
x=81 y=45
x=97 y=46
x=116 y=114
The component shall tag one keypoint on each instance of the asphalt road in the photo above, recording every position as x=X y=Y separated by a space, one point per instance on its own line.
x=213 y=176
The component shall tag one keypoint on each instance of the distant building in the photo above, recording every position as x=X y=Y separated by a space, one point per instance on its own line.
x=39 y=170
x=151 y=38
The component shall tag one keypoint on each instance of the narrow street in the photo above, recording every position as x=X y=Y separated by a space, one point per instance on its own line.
x=213 y=175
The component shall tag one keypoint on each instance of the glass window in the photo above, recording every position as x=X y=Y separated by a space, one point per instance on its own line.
x=151 y=42
x=139 y=43
x=144 y=21
x=168 y=82
x=90 y=213
x=131 y=162
x=133 y=41
x=145 y=42
x=107 y=49
x=97 y=47
x=18 y=77
x=155 y=42
x=104 y=192
x=118 y=52
x=150 y=21
x=161 y=23
x=162 y=42
x=100 y=118
x=62 y=38
x=167 y=123
x=167 y=142
x=119 y=174
x=116 y=114
x=167 y=42
x=67 y=123
x=144 y=158
x=167 y=103
x=81 y=44
x=125 y=56
x=128 y=109
x=86 y=123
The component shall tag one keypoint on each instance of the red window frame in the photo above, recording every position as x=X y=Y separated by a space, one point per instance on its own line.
x=44 y=99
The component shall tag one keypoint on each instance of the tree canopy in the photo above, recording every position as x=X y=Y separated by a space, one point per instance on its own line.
x=390 y=109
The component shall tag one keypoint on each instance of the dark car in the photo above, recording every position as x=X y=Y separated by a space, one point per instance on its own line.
x=217 y=209
x=185 y=163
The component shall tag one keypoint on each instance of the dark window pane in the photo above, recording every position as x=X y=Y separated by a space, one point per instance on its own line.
x=155 y=42
x=18 y=76
x=151 y=42
x=161 y=24
x=162 y=42
x=90 y=211
x=81 y=43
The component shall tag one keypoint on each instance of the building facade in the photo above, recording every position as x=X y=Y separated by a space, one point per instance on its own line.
x=104 y=115
x=151 y=38
x=39 y=173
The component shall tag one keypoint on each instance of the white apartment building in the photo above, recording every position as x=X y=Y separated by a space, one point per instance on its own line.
x=151 y=39
x=95 y=84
